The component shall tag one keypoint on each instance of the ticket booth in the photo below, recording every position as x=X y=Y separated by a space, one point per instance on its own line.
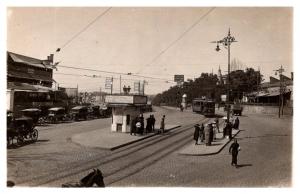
x=124 y=109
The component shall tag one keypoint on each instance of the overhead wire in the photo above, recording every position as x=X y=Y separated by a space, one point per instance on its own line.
x=111 y=72
x=85 y=28
x=177 y=39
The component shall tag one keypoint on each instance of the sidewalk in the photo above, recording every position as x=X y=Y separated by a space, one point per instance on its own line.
x=106 y=139
x=202 y=149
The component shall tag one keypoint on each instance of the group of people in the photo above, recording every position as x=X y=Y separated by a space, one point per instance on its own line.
x=138 y=126
x=207 y=133
x=234 y=123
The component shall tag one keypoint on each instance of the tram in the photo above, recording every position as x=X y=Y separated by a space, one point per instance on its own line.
x=204 y=106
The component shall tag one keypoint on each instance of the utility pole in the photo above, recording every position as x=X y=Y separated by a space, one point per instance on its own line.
x=120 y=84
x=280 y=103
x=226 y=41
x=112 y=84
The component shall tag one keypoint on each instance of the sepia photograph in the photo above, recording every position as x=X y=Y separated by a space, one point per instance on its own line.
x=186 y=96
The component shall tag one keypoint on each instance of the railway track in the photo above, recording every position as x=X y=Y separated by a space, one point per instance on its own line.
x=121 y=163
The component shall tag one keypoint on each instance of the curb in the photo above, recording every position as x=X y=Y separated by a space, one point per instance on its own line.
x=212 y=153
x=131 y=142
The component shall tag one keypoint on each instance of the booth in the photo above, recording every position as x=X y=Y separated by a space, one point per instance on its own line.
x=124 y=109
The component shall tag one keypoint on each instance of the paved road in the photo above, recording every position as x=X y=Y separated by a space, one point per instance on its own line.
x=265 y=158
x=52 y=156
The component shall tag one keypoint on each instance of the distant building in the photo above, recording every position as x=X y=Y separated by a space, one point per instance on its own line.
x=29 y=82
x=24 y=69
x=270 y=91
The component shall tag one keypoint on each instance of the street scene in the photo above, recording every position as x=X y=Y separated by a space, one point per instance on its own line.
x=149 y=97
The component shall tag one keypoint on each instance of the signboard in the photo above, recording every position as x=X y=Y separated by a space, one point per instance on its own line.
x=116 y=99
x=108 y=83
x=136 y=86
x=179 y=79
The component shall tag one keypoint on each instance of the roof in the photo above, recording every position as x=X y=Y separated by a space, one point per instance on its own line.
x=31 y=109
x=78 y=107
x=29 y=60
x=56 y=108
x=123 y=104
x=27 y=87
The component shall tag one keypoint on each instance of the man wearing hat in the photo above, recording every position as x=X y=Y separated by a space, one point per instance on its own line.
x=196 y=133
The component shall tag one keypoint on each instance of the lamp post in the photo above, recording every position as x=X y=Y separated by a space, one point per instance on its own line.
x=226 y=42
x=280 y=103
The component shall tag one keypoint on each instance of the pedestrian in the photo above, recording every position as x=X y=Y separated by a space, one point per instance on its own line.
x=148 y=125
x=153 y=123
x=181 y=108
x=139 y=127
x=196 y=133
x=215 y=131
x=211 y=132
x=230 y=130
x=236 y=123
x=133 y=127
x=142 y=123
x=234 y=150
x=201 y=133
x=217 y=124
x=162 y=124
x=208 y=135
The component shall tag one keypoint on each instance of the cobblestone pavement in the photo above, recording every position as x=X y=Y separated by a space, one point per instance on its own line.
x=54 y=151
x=265 y=159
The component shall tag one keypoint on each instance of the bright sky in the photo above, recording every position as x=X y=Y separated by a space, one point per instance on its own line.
x=128 y=39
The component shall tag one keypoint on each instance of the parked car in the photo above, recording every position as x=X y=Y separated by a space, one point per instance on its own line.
x=95 y=111
x=79 y=113
x=33 y=113
x=56 y=114
x=20 y=128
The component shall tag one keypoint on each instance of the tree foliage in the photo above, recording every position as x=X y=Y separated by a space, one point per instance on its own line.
x=208 y=85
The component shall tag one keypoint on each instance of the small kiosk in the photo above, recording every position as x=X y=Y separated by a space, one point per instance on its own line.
x=125 y=107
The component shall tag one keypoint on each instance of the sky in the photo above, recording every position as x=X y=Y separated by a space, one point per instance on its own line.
x=142 y=40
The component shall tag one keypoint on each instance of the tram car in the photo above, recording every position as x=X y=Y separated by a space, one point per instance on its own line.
x=204 y=106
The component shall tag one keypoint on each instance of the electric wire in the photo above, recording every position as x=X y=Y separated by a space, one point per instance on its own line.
x=176 y=40
x=85 y=28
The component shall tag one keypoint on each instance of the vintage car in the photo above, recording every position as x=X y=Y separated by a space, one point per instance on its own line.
x=237 y=109
x=33 y=113
x=20 y=129
x=95 y=111
x=56 y=114
x=80 y=113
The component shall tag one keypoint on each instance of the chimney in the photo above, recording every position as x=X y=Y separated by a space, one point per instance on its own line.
x=51 y=58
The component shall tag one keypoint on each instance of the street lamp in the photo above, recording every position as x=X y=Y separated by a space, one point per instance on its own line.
x=280 y=104
x=226 y=42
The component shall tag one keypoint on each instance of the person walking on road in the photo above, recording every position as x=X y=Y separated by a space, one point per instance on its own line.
x=234 y=150
x=196 y=133
x=162 y=124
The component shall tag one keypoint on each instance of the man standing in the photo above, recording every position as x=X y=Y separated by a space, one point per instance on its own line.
x=196 y=133
x=234 y=150
x=153 y=123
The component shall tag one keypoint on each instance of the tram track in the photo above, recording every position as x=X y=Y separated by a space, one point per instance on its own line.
x=133 y=151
